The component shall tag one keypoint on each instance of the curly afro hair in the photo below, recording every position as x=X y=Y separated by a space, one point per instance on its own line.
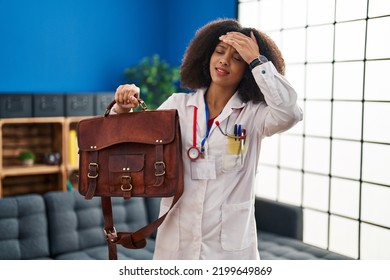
x=195 y=71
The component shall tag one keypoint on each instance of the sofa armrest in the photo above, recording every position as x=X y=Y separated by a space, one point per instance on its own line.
x=279 y=218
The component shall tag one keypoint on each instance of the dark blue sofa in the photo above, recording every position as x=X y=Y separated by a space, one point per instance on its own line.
x=63 y=225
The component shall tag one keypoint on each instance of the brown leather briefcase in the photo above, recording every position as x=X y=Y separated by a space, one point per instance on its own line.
x=137 y=154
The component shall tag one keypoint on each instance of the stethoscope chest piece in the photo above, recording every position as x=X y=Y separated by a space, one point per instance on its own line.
x=193 y=153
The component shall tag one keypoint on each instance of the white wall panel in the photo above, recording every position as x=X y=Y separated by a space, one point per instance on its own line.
x=347 y=120
x=376 y=204
x=376 y=163
x=350 y=40
x=345 y=197
x=375 y=243
x=315 y=228
x=290 y=190
x=348 y=80
x=316 y=191
x=376 y=124
x=336 y=162
x=344 y=236
x=317 y=155
x=346 y=159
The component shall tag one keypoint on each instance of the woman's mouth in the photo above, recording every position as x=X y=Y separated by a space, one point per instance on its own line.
x=221 y=71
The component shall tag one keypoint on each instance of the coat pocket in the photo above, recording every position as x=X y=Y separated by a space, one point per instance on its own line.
x=233 y=158
x=168 y=234
x=238 y=227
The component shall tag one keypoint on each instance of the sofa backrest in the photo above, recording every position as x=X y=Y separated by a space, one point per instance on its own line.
x=73 y=223
x=23 y=228
x=77 y=224
x=279 y=218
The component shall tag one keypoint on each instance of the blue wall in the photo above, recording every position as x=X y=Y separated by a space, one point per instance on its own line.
x=186 y=16
x=84 y=45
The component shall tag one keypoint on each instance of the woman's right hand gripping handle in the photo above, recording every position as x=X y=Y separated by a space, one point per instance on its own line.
x=126 y=98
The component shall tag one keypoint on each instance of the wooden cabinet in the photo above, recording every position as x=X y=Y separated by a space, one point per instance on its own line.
x=52 y=140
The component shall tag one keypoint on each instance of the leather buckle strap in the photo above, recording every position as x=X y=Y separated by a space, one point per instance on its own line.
x=93 y=167
x=126 y=183
x=159 y=167
x=93 y=174
x=111 y=234
x=109 y=229
x=126 y=186
x=133 y=240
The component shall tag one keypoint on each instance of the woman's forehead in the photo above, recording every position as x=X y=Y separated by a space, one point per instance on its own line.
x=225 y=46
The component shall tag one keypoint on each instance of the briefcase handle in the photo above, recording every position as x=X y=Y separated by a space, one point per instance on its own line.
x=141 y=104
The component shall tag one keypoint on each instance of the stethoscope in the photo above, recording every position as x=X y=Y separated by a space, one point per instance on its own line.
x=194 y=152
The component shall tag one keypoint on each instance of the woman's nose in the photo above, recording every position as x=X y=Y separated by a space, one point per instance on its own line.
x=223 y=61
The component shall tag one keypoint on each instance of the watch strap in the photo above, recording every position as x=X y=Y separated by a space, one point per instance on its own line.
x=257 y=61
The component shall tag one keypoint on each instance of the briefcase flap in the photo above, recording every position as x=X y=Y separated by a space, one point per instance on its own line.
x=147 y=127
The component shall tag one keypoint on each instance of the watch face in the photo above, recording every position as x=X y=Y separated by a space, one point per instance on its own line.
x=263 y=59
x=193 y=153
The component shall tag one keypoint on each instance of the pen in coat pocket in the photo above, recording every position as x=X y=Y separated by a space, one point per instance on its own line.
x=242 y=146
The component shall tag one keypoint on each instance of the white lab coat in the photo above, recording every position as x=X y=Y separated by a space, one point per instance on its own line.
x=214 y=219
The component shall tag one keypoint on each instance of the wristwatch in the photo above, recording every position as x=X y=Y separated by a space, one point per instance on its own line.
x=257 y=61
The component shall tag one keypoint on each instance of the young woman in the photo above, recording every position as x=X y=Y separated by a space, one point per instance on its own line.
x=240 y=96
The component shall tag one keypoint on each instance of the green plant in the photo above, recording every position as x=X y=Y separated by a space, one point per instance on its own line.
x=156 y=79
x=26 y=155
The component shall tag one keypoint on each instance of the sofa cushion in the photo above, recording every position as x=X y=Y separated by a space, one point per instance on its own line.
x=76 y=226
x=23 y=225
x=277 y=247
x=101 y=253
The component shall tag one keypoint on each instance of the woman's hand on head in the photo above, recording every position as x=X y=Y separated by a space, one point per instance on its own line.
x=246 y=46
x=126 y=97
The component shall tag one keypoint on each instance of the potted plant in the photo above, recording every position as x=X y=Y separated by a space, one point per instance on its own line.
x=156 y=79
x=27 y=157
